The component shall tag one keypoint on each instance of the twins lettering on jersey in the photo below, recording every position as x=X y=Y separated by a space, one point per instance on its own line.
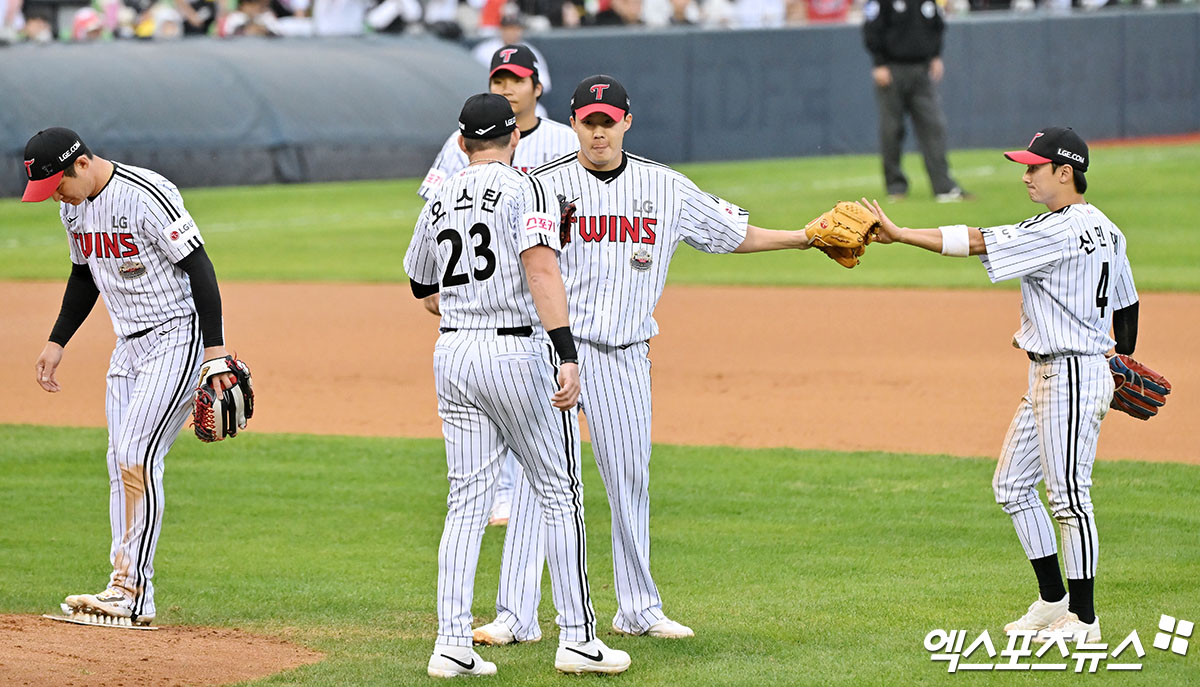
x=616 y=228
x=106 y=245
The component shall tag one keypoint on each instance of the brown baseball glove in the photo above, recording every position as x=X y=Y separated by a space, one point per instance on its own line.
x=216 y=415
x=1139 y=391
x=843 y=233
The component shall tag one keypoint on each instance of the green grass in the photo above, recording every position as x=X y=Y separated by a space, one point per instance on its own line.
x=795 y=567
x=358 y=231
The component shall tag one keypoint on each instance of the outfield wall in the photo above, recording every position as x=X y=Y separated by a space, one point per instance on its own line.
x=703 y=95
x=209 y=112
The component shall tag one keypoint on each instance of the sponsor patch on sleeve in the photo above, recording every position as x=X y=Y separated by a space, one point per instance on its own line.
x=181 y=230
x=540 y=223
x=1004 y=234
x=434 y=178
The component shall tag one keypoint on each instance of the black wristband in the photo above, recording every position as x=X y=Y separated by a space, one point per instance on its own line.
x=564 y=344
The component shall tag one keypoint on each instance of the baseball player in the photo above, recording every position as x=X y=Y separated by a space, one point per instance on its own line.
x=1076 y=286
x=134 y=244
x=632 y=213
x=488 y=242
x=514 y=75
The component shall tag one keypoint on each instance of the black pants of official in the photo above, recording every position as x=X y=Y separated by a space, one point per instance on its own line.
x=912 y=92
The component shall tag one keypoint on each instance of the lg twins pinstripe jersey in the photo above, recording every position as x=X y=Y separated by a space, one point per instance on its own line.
x=546 y=141
x=469 y=240
x=626 y=230
x=130 y=236
x=1074 y=273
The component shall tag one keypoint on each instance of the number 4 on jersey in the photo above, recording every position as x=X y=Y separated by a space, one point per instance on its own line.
x=1102 y=288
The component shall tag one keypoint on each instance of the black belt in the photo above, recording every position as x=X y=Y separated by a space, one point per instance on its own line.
x=138 y=335
x=1039 y=358
x=502 y=331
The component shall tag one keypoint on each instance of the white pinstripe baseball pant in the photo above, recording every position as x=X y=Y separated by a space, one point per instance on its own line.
x=616 y=400
x=149 y=394
x=1053 y=437
x=494 y=395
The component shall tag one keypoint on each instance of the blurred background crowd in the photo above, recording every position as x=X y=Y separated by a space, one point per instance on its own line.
x=90 y=20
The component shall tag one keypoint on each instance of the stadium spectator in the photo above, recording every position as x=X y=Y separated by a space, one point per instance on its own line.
x=86 y=25
x=252 y=18
x=558 y=13
x=758 y=14
x=199 y=16
x=441 y=19
x=168 y=23
x=671 y=12
x=38 y=29
x=290 y=8
x=618 y=13
x=339 y=17
x=818 y=11
x=11 y=21
x=394 y=16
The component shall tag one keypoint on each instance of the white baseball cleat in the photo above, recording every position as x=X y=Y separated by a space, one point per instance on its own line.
x=590 y=657
x=497 y=633
x=501 y=511
x=453 y=661
x=113 y=602
x=663 y=629
x=1040 y=616
x=1070 y=626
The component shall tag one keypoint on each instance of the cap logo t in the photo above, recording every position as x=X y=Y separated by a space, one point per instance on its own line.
x=29 y=168
x=506 y=55
x=1035 y=137
x=599 y=89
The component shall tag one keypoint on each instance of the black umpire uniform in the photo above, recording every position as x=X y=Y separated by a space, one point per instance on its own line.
x=905 y=36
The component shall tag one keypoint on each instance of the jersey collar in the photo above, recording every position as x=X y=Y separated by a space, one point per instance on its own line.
x=106 y=183
x=609 y=175
x=530 y=130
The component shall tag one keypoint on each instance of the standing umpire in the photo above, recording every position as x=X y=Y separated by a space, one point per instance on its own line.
x=904 y=38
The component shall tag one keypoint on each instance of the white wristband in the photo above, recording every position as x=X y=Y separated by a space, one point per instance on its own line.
x=956 y=241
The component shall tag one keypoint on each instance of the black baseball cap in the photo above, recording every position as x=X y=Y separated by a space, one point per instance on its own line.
x=518 y=59
x=1054 y=144
x=600 y=93
x=47 y=154
x=486 y=115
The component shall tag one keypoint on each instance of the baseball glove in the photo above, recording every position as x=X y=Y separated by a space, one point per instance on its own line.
x=843 y=233
x=566 y=212
x=216 y=415
x=1140 y=391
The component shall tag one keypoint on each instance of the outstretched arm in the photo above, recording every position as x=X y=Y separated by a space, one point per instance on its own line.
x=759 y=240
x=958 y=240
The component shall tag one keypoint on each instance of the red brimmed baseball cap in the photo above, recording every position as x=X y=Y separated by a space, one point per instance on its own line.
x=600 y=93
x=1054 y=144
x=47 y=154
x=518 y=59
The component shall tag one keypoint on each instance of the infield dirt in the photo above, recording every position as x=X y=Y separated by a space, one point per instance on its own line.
x=918 y=371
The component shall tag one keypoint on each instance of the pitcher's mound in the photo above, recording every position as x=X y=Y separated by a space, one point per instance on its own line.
x=36 y=651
